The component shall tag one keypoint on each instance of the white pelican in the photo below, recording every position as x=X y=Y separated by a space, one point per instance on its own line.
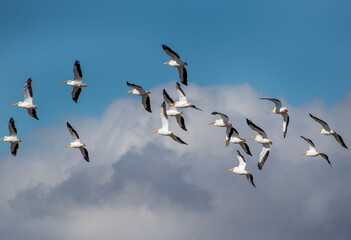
x=327 y=131
x=233 y=137
x=182 y=103
x=12 y=138
x=76 y=142
x=145 y=99
x=28 y=100
x=312 y=151
x=241 y=168
x=279 y=109
x=77 y=82
x=172 y=111
x=176 y=62
x=222 y=122
x=261 y=138
x=164 y=130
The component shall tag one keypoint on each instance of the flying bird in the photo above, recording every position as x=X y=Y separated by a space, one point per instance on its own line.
x=76 y=142
x=182 y=103
x=12 y=138
x=222 y=122
x=233 y=137
x=241 y=168
x=145 y=99
x=172 y=111
x=261 y=138
x=279 y=109
x=178 y=63
x=327 y=131
x=77 y=82
x=311 y=152
x=164 y=130
x=28 y=100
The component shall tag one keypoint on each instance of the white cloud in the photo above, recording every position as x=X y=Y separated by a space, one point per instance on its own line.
x=140 y=185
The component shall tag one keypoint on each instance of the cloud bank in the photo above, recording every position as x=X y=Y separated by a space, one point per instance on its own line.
x=140 y=185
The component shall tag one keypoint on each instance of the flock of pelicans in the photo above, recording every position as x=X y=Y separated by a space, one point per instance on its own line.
x=232 y=135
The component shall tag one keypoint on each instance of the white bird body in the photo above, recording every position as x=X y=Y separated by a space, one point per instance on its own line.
x=12 y=138
x=178 y=63
x=183 y=102
x=327 y=131
x=77 y=82
x=164 y=130
x=172 y=111
x=312 y=152
x=222 y=122
x=241 y=168
x=233 y=136
x=145 y=99
x=279 y=109
x=263 y=139
x=28 y=100
x=76 y=142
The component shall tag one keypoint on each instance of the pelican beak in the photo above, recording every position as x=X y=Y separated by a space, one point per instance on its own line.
x=64 y=82
x=130 y=91
x=230 y=170
x=155 y=132
x=15 y=104
x=224 y=141
x=253 y=137
x=304 y=153
x=68 y=145
x=172 y=104
x=271 y=111
x=319 y=131
x=2 y=138
x=212 y=123
x=167 y=62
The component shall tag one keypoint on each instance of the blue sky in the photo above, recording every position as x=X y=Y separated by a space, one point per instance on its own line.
x=298 y=51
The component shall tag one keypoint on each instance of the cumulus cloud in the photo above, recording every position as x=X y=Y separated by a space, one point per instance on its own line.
x=140 y=185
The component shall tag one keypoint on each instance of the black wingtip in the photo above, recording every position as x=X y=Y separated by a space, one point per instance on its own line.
x=77 y=62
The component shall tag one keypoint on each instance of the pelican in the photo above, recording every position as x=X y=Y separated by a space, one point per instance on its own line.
x=261 y=138
x=76 y=142
x=233 y=137
x=28 y=100
x=176 y=62
x=77 y=82
x=241 y=168
x=12 y=138
x=312 y=151
x=164 y=129
x=182 y=103
x=222 y=122
x=145 y=99
x=173 y=110
x=279 y=109
x=327 y=131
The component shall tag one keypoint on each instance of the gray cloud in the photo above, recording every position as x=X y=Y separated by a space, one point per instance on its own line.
x=145 y=186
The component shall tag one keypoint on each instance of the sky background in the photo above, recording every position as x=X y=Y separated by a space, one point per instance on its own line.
x=237 y=51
